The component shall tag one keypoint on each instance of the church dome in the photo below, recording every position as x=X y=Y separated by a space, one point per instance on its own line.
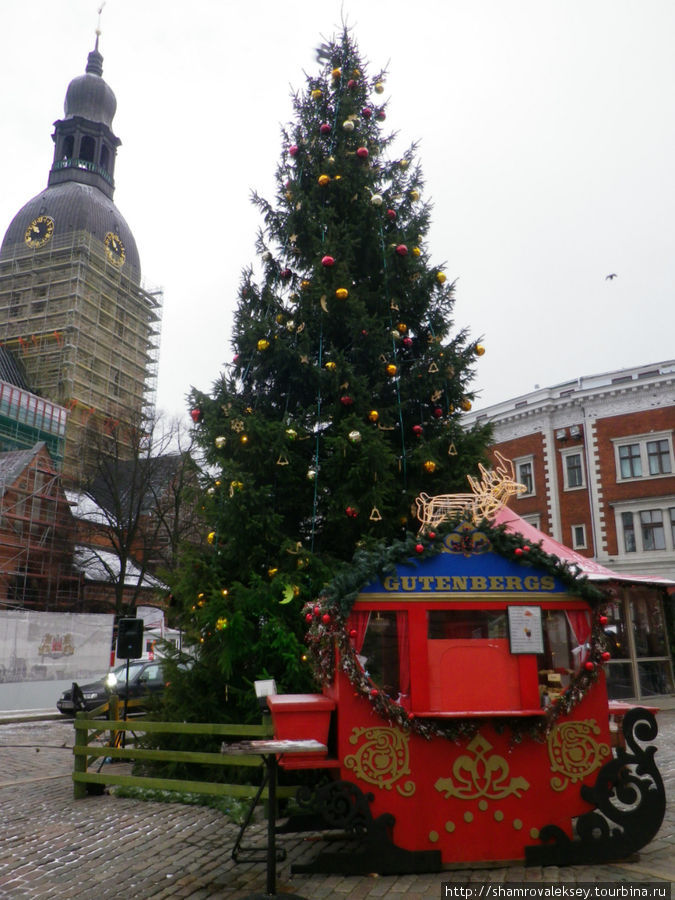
x=74 y=207
x=89 y=96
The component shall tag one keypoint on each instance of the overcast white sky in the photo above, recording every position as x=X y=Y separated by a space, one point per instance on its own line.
x=547 y=140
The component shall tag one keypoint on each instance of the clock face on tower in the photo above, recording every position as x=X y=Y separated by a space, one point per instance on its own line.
x=39 y=232
x=114 y=249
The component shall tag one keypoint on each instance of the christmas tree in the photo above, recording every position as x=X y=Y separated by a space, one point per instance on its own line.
x=345 y=395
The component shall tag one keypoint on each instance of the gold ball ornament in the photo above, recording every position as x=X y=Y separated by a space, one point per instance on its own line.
x=404 y=163
x=331 y=366
x=416 y=251
x=466 y=405
x=279 y=318
x=414 y=196
x=263 y=344
x=441 y=277
x=211 y=536
x=342 y=293
x=316 y=94
x=221 y=623
x=402 y=327
x=391 y=370
x=324 y=180
x=336 y=73
x=236 y=486
x=429 y=466
x=479 y=350
x=220 y=441
x=379 y=87
x=373 y=415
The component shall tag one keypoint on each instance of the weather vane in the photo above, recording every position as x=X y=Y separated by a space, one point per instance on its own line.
x=98 y=23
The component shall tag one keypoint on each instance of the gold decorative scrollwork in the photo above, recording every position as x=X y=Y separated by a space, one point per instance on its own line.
x=574 y=752
x=483 y=774
x=383 y=758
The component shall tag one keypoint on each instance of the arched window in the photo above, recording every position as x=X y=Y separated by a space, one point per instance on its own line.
x=68 y=145
x=87 y=148
x=104 y=157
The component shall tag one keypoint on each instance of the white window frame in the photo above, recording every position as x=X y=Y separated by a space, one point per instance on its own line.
x=579 y=545
x=663 y=505
x=642 y=440
x=517 y=463
x=533 y=519
x=564 y=455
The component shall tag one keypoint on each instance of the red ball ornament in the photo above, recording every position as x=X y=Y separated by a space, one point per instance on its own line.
x=293 y=150
x=366 y=112
x=309 y=617
x=589 y=666
x=407 y=342
x=431 y=535
x=391 y=214
x=526 y=548
x=603 y=620
x=285 y=274
x=362 y=153
x=381 y=115
x=353 y=633
x=417 y=430
x=437 y=412
x=364 y=332
x=419 y=548
x=325 y=618
x=402 y=250
x=351 y=84
x=374 y=693
x=518 y=551
x=327 y=261
x=196 y=414
x=325 y=128
x=317 y=610
x=606 y=655
x=346 y=400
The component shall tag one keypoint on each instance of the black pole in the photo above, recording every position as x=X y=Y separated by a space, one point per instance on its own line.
x=126 y=700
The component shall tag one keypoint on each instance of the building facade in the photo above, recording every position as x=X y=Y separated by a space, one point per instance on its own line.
x=73 y=311
x=596 y=458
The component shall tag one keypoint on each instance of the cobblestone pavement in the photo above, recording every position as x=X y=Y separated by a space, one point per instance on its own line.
x=100 y=847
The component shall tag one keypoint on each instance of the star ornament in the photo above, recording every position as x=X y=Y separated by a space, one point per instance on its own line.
x=238 y=425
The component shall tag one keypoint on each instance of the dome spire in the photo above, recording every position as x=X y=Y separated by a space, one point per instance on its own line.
x=95 y=60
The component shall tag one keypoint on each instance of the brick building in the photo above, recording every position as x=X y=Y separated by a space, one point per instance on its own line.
x=596 y=457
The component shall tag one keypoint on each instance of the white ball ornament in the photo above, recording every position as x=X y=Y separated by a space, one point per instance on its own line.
x=348 y=125
x=377 y=199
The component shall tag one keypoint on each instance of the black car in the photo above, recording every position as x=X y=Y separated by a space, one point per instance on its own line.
x=145 y=678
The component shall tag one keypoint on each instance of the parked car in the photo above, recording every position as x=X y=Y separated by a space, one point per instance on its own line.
x=145 y=678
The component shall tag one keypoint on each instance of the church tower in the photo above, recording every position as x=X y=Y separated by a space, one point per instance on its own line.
x=73 y=312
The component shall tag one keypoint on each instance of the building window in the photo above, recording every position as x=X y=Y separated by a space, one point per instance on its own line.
x=573 y=470
x=628 y=526
x=631 y=464
x=644 y=456
x=658 y=454
x=534 y=519
x=651 y=524
x=672 y=525
x=578 y=537
x=525 y=474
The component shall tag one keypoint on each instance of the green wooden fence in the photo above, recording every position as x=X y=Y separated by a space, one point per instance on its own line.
x=89 y=728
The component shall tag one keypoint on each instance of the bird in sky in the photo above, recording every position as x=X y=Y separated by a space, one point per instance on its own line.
x=610 y=276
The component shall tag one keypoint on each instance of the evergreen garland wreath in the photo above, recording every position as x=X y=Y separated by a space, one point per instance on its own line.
x=327 y=623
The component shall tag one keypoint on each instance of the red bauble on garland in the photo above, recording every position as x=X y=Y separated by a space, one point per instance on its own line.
x=293 y=149
x=327 y=261
x=402 y=250
x=362 y=153
x=417 y=430
x=325 y=128
x=366 y=112
x=196 y=414
x=419 y=548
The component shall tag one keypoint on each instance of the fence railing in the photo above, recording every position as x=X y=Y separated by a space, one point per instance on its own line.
x=89 y=728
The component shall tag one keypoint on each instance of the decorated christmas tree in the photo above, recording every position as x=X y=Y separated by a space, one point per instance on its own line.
x=344 y=397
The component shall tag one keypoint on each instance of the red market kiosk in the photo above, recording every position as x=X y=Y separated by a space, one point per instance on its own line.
x=466 y=715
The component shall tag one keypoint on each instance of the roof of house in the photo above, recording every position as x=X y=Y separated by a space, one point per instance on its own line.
x=13 y=462
x=104 y=566
x=588 y=567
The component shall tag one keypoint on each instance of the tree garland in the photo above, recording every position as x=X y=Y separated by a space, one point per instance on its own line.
x=327 y=622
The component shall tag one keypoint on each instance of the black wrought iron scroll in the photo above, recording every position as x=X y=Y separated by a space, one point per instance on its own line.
x=629 y=800
x=368 y=845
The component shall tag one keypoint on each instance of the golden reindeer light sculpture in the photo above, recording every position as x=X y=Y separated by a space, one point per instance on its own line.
x=488 y=496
